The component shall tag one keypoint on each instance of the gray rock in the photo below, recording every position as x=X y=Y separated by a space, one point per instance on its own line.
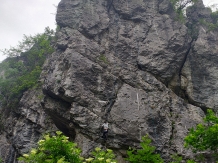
x=118 y=69
x=129 y=62
x=200 y=70
x=23 y=129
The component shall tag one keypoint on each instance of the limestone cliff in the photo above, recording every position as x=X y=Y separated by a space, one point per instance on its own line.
x=128 y=61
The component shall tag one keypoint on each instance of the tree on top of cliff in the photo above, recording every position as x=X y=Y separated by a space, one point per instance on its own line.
x=180 y=7
x=21 y=70
x=30 y=42
x=182 y=4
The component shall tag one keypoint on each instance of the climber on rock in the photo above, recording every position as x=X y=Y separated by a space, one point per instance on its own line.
x=105 y=130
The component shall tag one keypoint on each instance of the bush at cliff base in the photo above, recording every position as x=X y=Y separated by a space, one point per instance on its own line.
x=205 y=136
x=102 y=156
x=146 y=154
x=54 y=149
x=57 y=149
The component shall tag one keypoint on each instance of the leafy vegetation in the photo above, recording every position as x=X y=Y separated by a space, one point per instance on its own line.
x=54 y=149
x=179 y=159
x=102 y=156
x=21 y=70
x=40 y=44
x=191 y=161
x=211 y=25
x=58 y=149
x=103 y=58
x=204 y=137
x=182 y=4
x=176 y=158
x=180 y=7
x=146 y=154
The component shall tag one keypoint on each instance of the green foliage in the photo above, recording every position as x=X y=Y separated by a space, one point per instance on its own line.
x=179 y=159
x=210 y=26
x=176 y=158
x=29 y=43
x=57 y=149
x=54 y=149
x=205 y=135
x=180 y=6
x=103 y=58
x=101 y=156
x=1 y=160
x=21 y=70
x=214 y=25
x=214 y=16
x=146 y=154
x=27 y=81
x=191 y=161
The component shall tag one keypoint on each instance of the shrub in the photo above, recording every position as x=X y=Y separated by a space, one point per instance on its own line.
x=103 y=58
x=57 y=149
x=53 y=149
x=176 y=158
x=180 y=7
x=204 y=137
x=146 y=154
x=21 y=70
x=102 y=156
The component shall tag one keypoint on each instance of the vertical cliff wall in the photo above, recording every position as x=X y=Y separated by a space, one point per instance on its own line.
x=130 y=62
x=22 y=128
x=115 y=61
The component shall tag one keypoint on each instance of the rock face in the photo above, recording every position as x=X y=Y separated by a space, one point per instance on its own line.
x=200 y=70
x=130 y=62
x=24 y=127
x=115 y=61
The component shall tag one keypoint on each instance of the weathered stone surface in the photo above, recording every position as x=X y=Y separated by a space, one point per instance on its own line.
x=134 y=32
x=129 y=62
x=24 y=127
x=117 y=69
x=199 y=74
x=5 y=147
x=200 y=70
x=138 y=104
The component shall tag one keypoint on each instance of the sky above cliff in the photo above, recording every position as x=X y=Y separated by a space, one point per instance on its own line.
x=209 y=2
x=29 y=17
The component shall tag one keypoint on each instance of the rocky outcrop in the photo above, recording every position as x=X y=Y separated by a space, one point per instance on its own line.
x=24 y=127
x=198 y=76
x=128 y=32
x=130 y=62
x=117 y=60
